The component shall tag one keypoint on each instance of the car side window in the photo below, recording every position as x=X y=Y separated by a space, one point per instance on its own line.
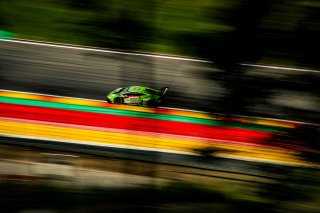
x=133 y=94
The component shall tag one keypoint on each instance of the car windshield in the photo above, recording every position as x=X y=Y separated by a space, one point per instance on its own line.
x=121 y=90
x=135 y=89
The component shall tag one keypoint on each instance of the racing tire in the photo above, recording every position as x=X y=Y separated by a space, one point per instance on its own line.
x=152 y=103
x=118 y=100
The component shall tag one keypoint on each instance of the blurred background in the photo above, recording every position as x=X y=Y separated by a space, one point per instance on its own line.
x=249 y=68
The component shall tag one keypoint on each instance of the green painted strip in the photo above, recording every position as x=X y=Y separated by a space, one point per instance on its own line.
x=139 y=114
x=6 y=34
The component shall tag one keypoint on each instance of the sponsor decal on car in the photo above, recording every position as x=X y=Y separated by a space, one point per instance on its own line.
x=131 y=99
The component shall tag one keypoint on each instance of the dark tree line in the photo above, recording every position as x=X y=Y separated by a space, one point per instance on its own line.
x=286 y=30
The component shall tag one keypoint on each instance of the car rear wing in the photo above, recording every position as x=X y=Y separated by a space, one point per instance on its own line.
x=164 y=91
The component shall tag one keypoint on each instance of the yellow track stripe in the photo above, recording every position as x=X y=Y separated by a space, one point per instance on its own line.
x=66 y=133
x=190 y=114
x=20 y=95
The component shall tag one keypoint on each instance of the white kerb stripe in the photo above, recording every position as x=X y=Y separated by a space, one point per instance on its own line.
x=59 y=45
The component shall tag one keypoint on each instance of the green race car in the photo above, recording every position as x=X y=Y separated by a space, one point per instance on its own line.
x=137 y=95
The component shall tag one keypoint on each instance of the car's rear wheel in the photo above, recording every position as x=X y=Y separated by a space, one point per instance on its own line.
x=152 y=103
x=118 y=100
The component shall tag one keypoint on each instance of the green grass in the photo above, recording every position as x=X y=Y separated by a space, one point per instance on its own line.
x=52 y=20
x=176 y=197
x=69 y=198
x=173 y=27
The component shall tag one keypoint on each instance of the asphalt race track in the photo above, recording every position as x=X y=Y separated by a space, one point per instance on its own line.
x=81 y=72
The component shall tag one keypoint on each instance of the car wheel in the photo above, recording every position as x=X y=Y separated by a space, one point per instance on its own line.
x=118 y=100
x=152 y=103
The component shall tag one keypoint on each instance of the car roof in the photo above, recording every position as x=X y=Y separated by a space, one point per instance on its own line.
x=136 y=89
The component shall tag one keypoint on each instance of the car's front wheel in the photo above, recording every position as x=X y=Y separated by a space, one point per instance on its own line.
x=118 y=100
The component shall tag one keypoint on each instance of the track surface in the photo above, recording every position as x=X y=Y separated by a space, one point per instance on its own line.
x=91 y=74
x=88 y=74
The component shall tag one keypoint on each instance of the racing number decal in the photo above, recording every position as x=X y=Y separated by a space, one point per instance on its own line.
x=132 y=99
